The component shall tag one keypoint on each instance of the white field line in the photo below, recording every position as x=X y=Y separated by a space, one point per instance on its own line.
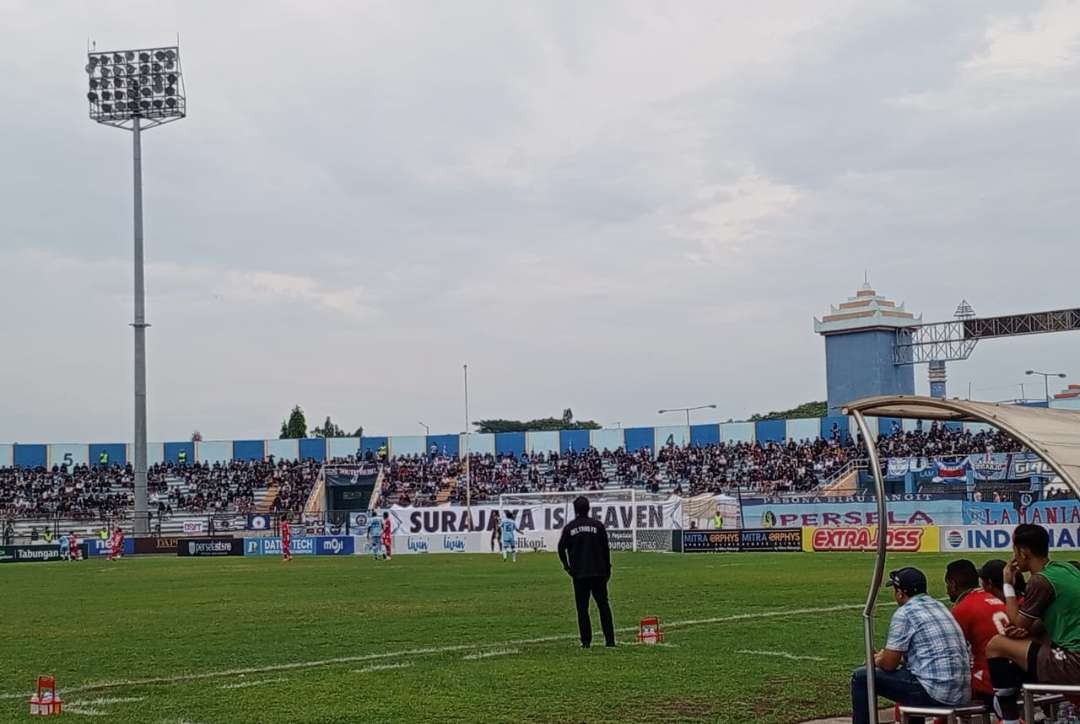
x=106 y=700
x=490 y=654
x=246 y=684
x=422 y=651
x=782 y=655
x=382 y=667
x=84 y=712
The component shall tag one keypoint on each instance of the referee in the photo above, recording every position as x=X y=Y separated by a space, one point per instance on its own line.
x=583 y=550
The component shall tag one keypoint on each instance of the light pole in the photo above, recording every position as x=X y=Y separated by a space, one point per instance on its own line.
x=687 y=410
x=427 y=428
x=137 y=90
x=1046 y=380
x=468 y=474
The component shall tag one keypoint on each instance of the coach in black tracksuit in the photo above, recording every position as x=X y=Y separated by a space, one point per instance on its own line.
x=583 y=550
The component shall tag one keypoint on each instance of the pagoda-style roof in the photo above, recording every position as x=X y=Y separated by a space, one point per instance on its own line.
x=866 y=310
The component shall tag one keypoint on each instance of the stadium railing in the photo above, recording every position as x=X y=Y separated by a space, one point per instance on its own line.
x=952 y=715
x=1046 y=696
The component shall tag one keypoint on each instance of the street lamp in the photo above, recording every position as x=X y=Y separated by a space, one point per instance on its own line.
x=427 y=428
x=133 y=90
x=687 y=410
x=1046 y=380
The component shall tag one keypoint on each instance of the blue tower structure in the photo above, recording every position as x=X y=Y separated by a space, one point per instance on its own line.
x=860 y=348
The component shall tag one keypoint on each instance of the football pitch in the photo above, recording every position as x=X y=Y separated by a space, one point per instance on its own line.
x=750 y=637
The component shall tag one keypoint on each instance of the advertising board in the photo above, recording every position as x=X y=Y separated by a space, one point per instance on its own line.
x=747 y=539
x=899 y=539
x=33 y=553
x=99 y=547
x=210 y=547
x=999 y=537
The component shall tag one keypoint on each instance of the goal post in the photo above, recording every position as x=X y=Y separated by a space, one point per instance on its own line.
x=635 y=519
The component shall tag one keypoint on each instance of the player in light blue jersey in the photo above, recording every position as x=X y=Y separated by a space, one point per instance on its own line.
x=509 y=527
x=374 y=527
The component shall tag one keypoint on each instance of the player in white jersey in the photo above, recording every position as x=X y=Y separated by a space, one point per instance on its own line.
x=375 y=536
x=508 y=527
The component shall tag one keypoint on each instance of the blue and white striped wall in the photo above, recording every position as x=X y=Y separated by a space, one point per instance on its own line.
x=632 y=439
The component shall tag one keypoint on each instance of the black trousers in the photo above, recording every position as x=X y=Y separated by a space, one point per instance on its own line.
x=597 y=588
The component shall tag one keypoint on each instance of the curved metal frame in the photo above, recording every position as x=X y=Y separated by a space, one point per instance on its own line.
x=879 y=565
x=855 y=410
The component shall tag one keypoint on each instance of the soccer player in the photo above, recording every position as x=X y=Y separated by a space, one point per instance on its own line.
x=508 y=528
x=495 y=529
x=63 y=542
x=1051 y=605
x=116 y=544
x=375 y=527
x=73 y=546
x=286 y=539
x=387 y=536
x=981 y=616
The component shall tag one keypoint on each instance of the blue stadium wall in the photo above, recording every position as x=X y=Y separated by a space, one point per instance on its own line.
x=860 y=364
x=633 y=439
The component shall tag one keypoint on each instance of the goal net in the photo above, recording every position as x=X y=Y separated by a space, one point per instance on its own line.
x=635 y=520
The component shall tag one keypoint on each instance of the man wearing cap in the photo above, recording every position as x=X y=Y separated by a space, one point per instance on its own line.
x=925 y=660
x=1051 y=603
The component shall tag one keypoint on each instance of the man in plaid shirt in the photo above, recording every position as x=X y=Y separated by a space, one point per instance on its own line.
x=925 y=661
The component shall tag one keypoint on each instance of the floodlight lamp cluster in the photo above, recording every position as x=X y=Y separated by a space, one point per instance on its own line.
x=128 y=84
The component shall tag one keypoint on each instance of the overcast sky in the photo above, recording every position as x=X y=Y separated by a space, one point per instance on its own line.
x=610 y=206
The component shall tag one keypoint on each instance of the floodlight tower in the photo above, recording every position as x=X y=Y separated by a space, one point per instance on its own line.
x=136 y=90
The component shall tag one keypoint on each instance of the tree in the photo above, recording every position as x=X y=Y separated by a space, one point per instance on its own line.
x=328 y=429
x=359 y=432
x=566 y=422
x=295 y=426
x=806 y=409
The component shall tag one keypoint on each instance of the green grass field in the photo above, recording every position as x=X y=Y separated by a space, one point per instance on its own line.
x=161 y=639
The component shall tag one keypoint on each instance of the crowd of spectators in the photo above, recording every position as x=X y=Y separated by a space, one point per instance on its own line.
x=85 y=493
x=760 y=468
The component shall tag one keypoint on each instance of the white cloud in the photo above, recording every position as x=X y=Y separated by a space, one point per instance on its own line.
x=725 y=219
x=1040 y=42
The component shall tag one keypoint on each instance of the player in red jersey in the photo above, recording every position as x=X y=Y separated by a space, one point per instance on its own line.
x=981 y=616
x=73 y=546
x=286 y=539
x=116 y=544
x=387 y=535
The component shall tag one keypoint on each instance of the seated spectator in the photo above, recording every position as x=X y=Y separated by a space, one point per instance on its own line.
x=981 y=615
x=1051 y=605
x=925 y=659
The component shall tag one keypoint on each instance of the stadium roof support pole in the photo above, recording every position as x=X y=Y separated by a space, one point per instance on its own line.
x=879 y=564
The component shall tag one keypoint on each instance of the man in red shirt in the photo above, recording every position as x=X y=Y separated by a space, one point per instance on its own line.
x=286 y=539
x=981 y=616
x=387 y=535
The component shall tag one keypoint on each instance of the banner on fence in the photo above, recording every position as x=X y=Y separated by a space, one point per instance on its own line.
x=899 y=539
x=34 y=553
x=820 y=513
x=747 y=539
x=199 y=547
x=258 y=521
x=984 y=467
x=98 y=547
x=1046 y=512
x=155 y=545
x=543 y=517
x=999 y=537
x=271 y=546
x=470 y=542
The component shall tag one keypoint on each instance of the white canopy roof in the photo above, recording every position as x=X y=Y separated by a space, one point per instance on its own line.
x=1054 y=435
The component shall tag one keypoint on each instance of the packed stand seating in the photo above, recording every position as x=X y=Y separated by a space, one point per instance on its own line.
x=941 y=441
x=95 y=492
